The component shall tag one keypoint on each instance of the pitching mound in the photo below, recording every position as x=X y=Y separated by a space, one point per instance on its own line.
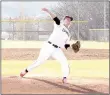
x=43 y=85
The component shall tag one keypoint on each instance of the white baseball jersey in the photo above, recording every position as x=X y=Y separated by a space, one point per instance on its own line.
x=60 y=35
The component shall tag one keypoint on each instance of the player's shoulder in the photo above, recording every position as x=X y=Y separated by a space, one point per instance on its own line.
x=56 y=20
x=56 y=25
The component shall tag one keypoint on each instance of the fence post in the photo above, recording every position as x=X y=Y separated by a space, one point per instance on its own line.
x=78 y=22
x=13 y=30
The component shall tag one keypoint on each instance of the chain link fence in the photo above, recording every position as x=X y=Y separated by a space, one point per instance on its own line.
x=33 y=31
x=90 y=23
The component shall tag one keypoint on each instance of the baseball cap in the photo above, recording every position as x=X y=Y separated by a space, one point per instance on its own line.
x=68 y=17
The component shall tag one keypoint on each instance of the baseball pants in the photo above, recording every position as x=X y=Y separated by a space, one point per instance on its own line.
x=48 y=50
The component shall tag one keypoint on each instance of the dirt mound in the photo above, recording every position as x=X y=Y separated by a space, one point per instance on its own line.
x=43 y=85
x=32 y=54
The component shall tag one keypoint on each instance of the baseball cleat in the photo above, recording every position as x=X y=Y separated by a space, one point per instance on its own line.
x=23 y=73
x=64 y=80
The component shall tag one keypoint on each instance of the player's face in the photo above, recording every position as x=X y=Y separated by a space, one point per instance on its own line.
x=67 y=21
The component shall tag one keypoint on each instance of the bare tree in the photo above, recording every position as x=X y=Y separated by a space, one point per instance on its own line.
x=93 y=12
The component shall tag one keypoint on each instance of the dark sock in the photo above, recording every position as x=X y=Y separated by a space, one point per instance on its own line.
x=26 y=70
x=64 y=77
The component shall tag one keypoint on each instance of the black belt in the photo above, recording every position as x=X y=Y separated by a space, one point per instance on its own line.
x=53 y=44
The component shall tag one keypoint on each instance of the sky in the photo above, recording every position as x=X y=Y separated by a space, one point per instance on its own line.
x=13 y=9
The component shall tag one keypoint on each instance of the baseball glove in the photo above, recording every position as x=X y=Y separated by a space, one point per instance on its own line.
x=76 y=46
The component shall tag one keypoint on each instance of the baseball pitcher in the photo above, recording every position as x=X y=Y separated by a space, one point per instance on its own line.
x=58 y=40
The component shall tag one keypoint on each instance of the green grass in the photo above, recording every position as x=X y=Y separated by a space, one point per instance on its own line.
x=51 y=68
